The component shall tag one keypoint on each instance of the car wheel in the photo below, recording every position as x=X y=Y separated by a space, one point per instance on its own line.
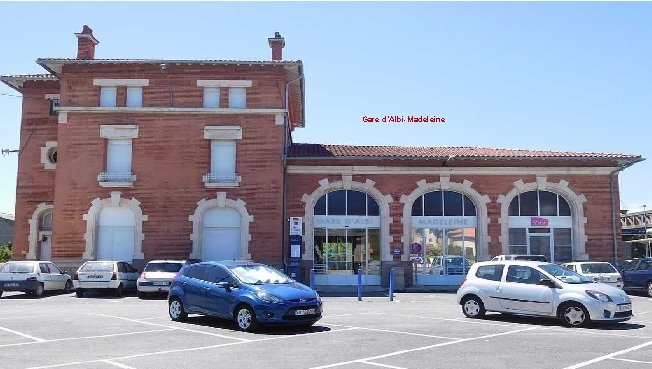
x=649 y=289
x=573 y=314
x=175 y=309
x=68 y=287
x=246 y=319
x=472 y=307
x=141 y=295
x=38 y=292
x=79 y=292
x=118 y=291
x=1 y=293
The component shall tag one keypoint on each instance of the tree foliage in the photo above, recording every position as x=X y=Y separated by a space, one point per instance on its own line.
x=5 y=252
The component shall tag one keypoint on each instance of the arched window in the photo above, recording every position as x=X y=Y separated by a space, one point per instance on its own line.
x=46 y=221
x=346 y=202
x=540 y=223
x=221 y=234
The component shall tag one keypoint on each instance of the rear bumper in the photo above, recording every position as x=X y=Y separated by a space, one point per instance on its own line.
x=18 y=285
x=113 y=284
x=151 y=286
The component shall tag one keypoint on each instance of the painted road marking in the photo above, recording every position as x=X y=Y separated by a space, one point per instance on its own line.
x=605 y=357
x=87 y=337
x=22 y=334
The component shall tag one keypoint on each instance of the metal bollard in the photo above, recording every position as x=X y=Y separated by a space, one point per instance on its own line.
x=391 y=284
x=359 y=284
x=312 y=278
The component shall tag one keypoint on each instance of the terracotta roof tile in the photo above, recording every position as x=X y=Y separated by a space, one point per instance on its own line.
x=301 y=150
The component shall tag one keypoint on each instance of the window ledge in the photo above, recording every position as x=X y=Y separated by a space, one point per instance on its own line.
x=217 y=182
x=119 y=180
x=221 y=184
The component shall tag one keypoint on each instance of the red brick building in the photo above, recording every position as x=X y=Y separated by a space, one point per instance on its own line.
x=195 y=159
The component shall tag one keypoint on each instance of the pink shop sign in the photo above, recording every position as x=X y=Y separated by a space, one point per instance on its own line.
x=538 y=222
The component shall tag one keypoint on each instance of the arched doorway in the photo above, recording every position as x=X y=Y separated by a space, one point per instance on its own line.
x=45 y=236
x=221 y=234
x=541 y=223
x=443 y=242
x=346 y=238
x=116 y=234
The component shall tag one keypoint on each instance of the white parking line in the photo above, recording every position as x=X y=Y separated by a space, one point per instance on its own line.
x=382 y=365
x=177 y=328
x=605 y=357
x=395 y=353
x=87 y=337
x=391 y=331
x=123 y=366
x=182 y=350
x=22 y=334
x=456 y=320
x=631 y=361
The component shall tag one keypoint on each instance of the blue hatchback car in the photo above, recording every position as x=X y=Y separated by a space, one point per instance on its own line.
x=249 y=293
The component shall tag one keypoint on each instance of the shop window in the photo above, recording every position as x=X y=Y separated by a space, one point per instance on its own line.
x=346 y=202
x=432 y=204
x=443 y=203
x=539 y=203
x=518 y=241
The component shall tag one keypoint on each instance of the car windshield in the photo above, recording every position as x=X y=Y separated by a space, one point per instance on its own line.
x=565 y=275
x=18 y=267
x=259 y=274
x=97 y=267
x=163 y=267
x=597 y=268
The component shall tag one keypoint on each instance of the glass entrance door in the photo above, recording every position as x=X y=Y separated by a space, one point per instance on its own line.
x=342 y=252
x=540 y=245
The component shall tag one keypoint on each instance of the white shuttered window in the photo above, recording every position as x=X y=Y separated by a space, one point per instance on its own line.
x=237 y=97
x=134 y=97
x=211 y=97
x=223 y=157
x=118 y=158
x=108 y=96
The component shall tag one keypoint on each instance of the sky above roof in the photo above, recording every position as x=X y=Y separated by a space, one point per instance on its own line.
x=540 y=76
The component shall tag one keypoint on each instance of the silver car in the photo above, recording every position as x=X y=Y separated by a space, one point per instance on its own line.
x=157 y=276
x=540 y=289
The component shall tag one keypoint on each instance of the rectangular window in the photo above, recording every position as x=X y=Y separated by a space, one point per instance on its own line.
x=518 y=241
x=237 y=97
x=134 y=97
x=108 y=96
x=118 y=158
x=529 y=204
x=223 y=161
x=432 y=204
x=211 y=97
x=356 y=203
x=452 y=204
x=337 y=203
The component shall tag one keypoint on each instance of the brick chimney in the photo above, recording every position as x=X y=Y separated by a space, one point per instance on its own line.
x=277 y=43
x=86 y=43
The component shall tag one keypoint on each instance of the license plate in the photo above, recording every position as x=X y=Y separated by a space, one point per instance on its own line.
x=304 y=312
x=11 y=284
x=160 y=283
x=626 y=307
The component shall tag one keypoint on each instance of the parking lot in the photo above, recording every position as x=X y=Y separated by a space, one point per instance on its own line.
x=417 y=330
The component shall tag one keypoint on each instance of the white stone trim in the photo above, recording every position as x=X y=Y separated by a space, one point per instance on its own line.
x=235 y=184
x=45 y=160
x=482 y=238
x=34 y=224
x=92 y=218
x=223 y=132
x=369 y=188
x=220 y=201
x=575 y=201
x=52 y=96
x=224 y=83
x=460 y=171
x=119 y=131
x=62 y=116
x=146 y=109
x=279 y=119
x=114 y=82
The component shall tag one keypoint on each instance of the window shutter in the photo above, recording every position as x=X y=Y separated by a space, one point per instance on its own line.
x=211 y=97
x=134 y=97
x=119 y=156
x=237 y=97
x=223 y=157
x=108 y=96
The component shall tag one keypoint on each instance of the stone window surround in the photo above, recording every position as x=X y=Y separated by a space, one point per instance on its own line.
x=231 y=132
x=220 y=201
x=34 y=229
x=575 y=201
x=466 y=188
x=45 y=157
x=347 y=183
x=118 y=132
x=92 y=218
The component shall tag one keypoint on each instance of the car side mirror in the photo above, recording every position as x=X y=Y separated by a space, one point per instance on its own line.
x=225 y=285
x=547 y=282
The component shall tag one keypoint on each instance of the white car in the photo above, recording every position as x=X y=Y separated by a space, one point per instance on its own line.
x=33 y=277
x=599 y=271
x=102 y=275
x=157 y=276
x=540 y=289
x=520 y=257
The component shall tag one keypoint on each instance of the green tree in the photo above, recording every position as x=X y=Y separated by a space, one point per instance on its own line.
x=5 y=253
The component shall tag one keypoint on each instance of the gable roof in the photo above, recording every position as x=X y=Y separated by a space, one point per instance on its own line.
x=17 y=81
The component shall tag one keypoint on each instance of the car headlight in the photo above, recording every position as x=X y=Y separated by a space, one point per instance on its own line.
x=599 y=296
x=265 y=296
x=318 y=297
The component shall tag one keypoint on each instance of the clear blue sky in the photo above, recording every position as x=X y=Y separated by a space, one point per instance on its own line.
x=562 y=76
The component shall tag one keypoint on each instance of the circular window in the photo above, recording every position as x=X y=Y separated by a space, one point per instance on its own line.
x=52 y=155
